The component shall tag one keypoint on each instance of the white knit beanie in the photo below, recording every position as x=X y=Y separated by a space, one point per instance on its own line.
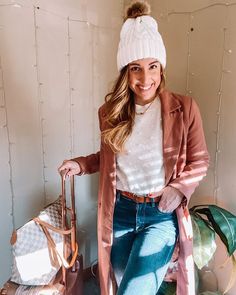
x=139 y=38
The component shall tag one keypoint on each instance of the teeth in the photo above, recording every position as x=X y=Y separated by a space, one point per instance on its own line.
x=145 y=88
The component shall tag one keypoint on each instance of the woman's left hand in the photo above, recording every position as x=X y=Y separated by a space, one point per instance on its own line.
x=170 y=199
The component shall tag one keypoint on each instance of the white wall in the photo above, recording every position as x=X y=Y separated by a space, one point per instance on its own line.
x=202 y=63
x=54 y=74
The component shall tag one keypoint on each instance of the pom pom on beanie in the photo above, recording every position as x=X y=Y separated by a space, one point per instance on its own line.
x=136 y=9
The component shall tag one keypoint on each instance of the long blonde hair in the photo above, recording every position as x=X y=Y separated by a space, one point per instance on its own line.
x=120 y=111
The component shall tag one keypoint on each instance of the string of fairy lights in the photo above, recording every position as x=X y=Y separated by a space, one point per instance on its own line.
x=71 y=89
x=40 y=100
x=3 y=105
x=68 y=20
x=188 y=56
x=201 y=8
x=7 y=132
x=218 y=128
x=94 y=71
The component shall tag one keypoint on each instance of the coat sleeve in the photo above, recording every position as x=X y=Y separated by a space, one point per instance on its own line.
x=197 y=157
x=88 y=164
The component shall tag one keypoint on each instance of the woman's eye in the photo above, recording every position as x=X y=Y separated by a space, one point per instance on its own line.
x=154 y=66
x=134 y=69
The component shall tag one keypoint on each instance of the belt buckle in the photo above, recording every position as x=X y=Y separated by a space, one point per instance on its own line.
x=151 y=197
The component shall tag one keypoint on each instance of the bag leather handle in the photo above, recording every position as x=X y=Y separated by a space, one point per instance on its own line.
x=53 y=228
x=53 y=252
x=54 y=255
x=74 y=245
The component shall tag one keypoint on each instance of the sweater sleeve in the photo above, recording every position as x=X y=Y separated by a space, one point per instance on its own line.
x=197 y=157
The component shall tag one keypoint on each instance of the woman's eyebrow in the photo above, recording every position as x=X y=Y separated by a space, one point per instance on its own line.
x=153 y=62
x=137 y=64
x=134 y=64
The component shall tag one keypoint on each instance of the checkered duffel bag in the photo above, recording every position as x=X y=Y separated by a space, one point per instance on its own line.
x=38 y=248
x=41 y=246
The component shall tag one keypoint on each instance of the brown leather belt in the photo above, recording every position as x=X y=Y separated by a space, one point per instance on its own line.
x=148 y=198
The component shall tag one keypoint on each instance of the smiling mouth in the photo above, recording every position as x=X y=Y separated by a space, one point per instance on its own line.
x=145 y=88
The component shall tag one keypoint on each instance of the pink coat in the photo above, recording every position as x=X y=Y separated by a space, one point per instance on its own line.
x=185 y=160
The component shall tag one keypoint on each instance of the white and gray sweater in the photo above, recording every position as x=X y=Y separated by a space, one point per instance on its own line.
x=140 y=167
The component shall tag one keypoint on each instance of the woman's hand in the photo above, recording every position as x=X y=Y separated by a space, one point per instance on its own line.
x=170 y=199
x=70 y=167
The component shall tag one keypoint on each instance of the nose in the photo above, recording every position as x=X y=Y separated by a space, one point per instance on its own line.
x=144 y=77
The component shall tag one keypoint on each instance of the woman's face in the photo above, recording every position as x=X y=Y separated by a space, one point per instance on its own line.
x=144 y=79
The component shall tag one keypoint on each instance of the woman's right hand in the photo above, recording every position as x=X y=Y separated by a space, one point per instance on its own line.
x=70 y=167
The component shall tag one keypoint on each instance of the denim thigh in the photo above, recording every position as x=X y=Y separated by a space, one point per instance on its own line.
x=143 y=243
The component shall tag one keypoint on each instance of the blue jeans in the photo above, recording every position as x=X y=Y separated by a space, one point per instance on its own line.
x=143 y=243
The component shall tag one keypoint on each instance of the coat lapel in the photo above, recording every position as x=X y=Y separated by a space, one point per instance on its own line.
x=172 y=124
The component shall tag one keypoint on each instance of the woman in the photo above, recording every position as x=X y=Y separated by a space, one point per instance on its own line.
x=152 y=157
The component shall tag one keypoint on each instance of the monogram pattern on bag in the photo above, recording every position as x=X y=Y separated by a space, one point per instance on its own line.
x=31 y=238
